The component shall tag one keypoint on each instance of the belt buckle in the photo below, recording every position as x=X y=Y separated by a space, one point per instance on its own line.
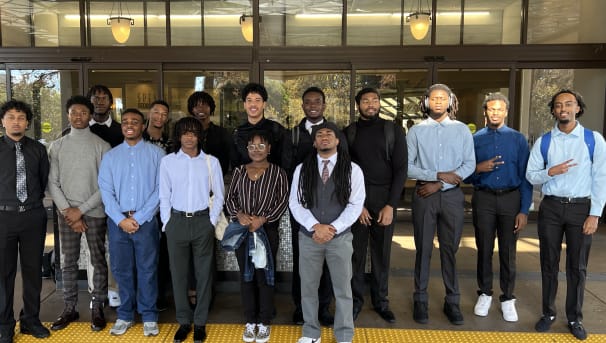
x=130 y=213
x=21 y=208
x=189 y=214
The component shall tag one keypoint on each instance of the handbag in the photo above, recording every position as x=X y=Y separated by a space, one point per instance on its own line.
x=222 y=222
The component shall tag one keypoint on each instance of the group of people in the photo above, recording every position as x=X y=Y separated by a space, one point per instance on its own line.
x=158 y=197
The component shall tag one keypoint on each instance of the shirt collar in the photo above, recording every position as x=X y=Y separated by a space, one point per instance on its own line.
x=107 y=123
x=332 y=159
x=575 y=132
x=181 y=154
x=309 y=125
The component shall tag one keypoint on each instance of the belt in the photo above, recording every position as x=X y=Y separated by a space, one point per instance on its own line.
x=499 y=191
x=21 y=208
x=190 y=214
x=569 y=200
x=421 y=182
x=129 y=214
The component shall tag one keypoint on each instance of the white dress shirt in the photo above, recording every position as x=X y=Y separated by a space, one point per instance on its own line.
x=185 y=185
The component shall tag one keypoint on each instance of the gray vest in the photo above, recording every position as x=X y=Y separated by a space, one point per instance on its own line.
x=326 y=207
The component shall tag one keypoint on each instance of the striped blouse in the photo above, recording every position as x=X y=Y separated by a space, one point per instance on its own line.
x=266 y=197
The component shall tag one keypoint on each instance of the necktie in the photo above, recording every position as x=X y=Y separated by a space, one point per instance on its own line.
x=325 y=171
x=21 y=177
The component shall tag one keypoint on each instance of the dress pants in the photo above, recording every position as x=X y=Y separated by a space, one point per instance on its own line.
x=134 y=263
x=337 y=253
x=442 y=211
x=70 y=249
x=556 y=220
x=21 y=234
x=494 y=215
x=325 y=289
x=191 y=241
x=257 y=296
x=380 y=252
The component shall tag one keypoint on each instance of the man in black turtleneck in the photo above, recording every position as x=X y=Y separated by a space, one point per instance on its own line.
x=255 y=97
x=379 y=147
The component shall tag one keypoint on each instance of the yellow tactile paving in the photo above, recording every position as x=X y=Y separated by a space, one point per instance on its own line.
x=232 y=333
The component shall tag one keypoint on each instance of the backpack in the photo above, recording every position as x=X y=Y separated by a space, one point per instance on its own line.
x=589 y=141
x=389 y=131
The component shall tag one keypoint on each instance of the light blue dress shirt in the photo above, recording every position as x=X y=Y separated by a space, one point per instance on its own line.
x=586 y=179
x=128 y=181
x=185 y=185
x=351 y=212
x=440 y=147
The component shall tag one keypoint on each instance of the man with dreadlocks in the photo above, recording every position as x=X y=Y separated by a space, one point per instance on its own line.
x=327 y=197
x=440 y=155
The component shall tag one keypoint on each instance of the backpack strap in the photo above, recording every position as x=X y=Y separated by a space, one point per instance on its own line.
x=589 y=142
x=545 y=141
x=389 y=131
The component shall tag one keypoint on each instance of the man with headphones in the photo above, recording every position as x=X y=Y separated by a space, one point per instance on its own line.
x=440 y=156
x=569 y=163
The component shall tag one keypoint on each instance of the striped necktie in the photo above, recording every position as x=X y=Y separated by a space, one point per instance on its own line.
x=325 y=171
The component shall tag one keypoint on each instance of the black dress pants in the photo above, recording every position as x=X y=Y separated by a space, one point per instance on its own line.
x=21 y=234
x=556 y=220
x=494 y=215
x=380 y=238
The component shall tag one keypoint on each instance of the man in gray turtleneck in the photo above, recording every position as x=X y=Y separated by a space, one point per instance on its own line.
x=75 y=160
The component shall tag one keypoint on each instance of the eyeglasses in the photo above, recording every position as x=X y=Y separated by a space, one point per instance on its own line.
x=496 y=110
x=258 y=147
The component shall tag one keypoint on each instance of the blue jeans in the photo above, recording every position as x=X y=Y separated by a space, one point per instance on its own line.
x=135 y=255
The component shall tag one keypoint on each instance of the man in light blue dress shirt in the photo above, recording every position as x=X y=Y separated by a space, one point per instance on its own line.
x=440 y=156
x=572 y=180
x=128 y=181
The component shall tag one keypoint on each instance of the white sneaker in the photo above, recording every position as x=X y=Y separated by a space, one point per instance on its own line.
x=114 y=299
x=483 y=305
x=508 y=308
x=309 y=340
x=120 y=327
x=263 y=333
x=150 y=329
x=249 y=334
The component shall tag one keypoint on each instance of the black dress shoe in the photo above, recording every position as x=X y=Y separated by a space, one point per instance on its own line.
x=453 y=312
x=68 y=316
x=544 y=324
x=36 y=330
x=325 y=318
x=419 y=313
x=356 y=312
x=199 y=333
x=577 y=330
x=97 y=318
x=387 y=315
x=297 y=316
x=182 y=333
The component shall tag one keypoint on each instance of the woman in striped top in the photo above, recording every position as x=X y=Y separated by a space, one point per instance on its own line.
x=257 y=198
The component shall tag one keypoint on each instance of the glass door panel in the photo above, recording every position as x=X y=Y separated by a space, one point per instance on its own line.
x=223 y=86
x=285 y=89
x=47 y=91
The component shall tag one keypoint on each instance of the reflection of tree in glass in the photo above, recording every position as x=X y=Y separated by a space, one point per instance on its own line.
x=40 y=89
x=545 y=83
x=285 y=97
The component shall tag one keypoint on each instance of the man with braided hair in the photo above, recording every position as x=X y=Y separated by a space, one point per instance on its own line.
x=440 y=155
x=326 y=198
